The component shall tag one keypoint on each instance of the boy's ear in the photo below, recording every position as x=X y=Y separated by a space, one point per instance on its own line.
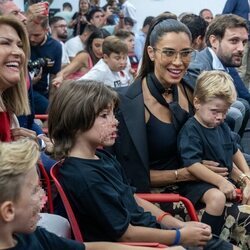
x=196 y=103
x=7 y=211
x=105 y=57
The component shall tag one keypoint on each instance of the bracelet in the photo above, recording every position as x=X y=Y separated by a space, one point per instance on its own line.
x=177 y=237
x=241 y=179
x=160 y=218
x=176 y=174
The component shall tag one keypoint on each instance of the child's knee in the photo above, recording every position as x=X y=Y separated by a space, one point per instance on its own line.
x=215 y=199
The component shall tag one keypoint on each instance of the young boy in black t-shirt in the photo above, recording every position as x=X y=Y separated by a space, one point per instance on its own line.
x=206 y=137
x=20 y=200
x=81 y=118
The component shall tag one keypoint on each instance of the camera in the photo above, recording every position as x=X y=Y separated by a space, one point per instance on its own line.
x=36 y=65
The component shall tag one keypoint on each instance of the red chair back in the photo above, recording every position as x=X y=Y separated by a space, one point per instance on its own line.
x=54 y=171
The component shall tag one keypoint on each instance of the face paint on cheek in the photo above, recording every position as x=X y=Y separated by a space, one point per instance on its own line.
x=108 y=130
x=38 y=200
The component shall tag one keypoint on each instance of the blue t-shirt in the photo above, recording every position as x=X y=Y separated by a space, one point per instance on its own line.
x=51 y=50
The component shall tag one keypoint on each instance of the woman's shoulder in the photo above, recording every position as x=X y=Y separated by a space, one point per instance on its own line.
x=188 y=85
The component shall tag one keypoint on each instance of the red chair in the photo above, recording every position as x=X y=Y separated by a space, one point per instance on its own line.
x=160 y=198
x=74 y=224
x=46 y=184
x=72 y=219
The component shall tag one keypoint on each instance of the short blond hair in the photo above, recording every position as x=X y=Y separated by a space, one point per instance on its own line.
x=16 y=159
x=215 y=84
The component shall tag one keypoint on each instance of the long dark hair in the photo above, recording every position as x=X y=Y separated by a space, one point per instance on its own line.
x=160 y=25
x=98 y=33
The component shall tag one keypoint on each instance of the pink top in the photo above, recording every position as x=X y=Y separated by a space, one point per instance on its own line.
x=76 y=75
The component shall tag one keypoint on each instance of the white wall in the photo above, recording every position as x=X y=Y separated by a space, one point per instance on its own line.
x=155 y=7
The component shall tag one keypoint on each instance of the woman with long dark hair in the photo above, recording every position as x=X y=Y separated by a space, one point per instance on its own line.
x=85 y=59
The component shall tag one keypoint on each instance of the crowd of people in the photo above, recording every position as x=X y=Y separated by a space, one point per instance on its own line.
x=159 y=110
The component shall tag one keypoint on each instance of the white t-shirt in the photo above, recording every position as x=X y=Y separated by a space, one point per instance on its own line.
x=65 y=58
x=73 y=46
x=102 y=73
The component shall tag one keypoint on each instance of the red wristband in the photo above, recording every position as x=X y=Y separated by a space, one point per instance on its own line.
x=160 y=217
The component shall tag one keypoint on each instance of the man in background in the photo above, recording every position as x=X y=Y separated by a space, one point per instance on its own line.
x=197 y=26
x=49 y=50
x=207 y=15
x=59 y=32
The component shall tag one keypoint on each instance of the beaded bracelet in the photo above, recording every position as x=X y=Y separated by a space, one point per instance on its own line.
x=177 y=237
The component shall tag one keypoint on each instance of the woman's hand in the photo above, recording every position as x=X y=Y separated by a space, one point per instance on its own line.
x=20 y=133
x=214 y=166
x=246 y=194
x=57 y=81
x=228 y=189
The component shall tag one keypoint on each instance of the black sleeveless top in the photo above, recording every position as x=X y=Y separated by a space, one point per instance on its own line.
x=162 y=144
x=162 y=136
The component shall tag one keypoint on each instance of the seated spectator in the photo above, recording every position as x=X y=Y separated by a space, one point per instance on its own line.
x=197 y=26
x=21 y=199
x=102 y=200
x=128 y=23
x=85 y=59
x=220 y=55
x=14 y=96
x=78 y=43
x=111 y=68
x=67 y=14
x=98 y=18
x=153 y=109
x=141 y=37
x=26 y=127
x=206 y=136
x=115 y=9
x=59 y=32
x=132 y=63
x=47 y=50
x=129 y=10
x=207 y=15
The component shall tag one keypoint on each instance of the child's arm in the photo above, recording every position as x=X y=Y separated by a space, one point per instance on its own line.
x=204 y=174
x=187 y=231
x=191 y=234
x=76 y=64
